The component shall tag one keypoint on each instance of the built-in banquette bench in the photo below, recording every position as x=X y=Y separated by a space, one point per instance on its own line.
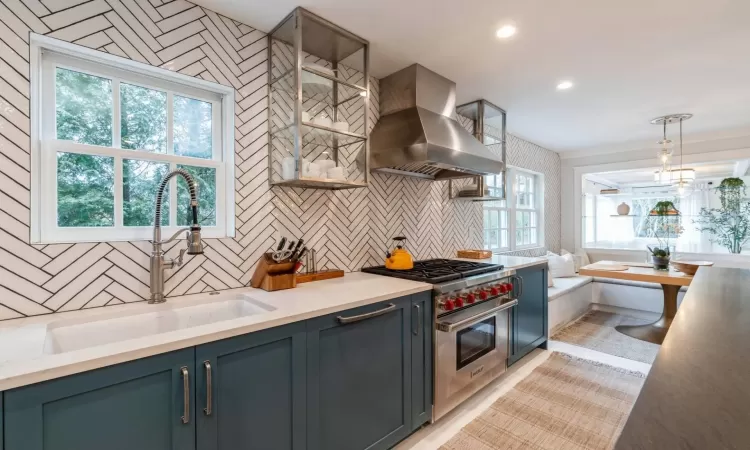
x=572 y=297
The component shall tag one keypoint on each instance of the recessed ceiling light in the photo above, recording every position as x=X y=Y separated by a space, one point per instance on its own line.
x=506 y=31
x=564 y=85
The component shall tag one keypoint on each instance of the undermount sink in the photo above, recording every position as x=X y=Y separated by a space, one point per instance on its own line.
x=66 y=336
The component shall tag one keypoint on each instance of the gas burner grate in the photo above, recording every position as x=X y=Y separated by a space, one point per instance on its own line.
x=436 y=271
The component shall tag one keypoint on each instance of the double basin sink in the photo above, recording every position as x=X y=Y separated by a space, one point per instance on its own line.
x=75 y=334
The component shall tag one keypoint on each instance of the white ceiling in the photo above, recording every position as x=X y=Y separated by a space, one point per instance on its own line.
x=630 y=60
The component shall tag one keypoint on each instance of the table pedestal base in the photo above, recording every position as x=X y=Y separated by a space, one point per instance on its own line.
x=657 y=331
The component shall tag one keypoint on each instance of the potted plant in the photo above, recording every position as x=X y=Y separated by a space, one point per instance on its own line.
x=728 y=226
x=666 y=225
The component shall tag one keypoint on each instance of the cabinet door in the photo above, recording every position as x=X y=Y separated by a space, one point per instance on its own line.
x=359 y=377
x=530 y=315
x=421 y=359
x=135 y=405
x=257 y=386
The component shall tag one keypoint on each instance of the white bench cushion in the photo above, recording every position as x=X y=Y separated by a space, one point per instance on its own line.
x=564 y=285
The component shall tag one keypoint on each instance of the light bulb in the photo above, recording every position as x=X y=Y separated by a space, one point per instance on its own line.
x=681 y=189
x=664 y=157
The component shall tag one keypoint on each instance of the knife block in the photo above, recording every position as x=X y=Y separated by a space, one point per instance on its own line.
x=272 y=276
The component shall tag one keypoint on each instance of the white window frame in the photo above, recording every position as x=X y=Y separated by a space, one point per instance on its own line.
x=511 y=210
x=499 y=210
x=46 y=55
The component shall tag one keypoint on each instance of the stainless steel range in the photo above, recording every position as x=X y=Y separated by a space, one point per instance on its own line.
x=472 y=301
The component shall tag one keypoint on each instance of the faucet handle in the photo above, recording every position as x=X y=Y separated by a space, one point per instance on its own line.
x=178 y=261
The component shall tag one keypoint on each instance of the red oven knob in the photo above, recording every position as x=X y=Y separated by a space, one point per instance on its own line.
x=470 y=298
x=483 y=295
x=494 y=290
x=448 y=305
x=508 y=287
x=503 y=288
x=459 y=302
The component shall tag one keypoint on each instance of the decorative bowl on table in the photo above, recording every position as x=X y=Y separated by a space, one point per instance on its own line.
x=690 y=267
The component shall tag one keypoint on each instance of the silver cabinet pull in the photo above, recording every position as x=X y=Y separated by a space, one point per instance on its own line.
x=185 y=394
x=209 y=396
x=370 y=315
x=418 y=312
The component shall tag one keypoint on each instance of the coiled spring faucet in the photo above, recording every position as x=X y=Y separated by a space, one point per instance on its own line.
x=194 y=245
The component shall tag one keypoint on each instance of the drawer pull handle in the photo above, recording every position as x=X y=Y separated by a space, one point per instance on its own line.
x=370 y=315
x=185 y=394
x=209 y=396
x=418 y=312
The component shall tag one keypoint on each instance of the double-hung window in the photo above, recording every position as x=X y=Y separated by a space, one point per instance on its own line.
x=108 y=130
x=517 y=222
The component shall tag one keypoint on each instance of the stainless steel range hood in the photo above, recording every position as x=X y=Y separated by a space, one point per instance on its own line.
x=418 y=134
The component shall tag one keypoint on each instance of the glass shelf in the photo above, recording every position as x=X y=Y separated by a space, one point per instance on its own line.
x=314 y=134
x=325 y=183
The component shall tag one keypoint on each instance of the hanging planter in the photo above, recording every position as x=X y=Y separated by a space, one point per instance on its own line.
x=728 y=226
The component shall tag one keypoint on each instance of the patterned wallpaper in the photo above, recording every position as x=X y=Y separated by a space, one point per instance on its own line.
x=349 y=229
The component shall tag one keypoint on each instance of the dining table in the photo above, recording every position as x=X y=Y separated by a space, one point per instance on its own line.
x=670 y=280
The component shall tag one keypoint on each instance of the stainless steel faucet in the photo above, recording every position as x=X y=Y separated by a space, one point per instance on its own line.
x=194 y=245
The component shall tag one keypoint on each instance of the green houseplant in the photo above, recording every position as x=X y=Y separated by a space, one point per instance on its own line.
x=666 y=225
x=728 y=226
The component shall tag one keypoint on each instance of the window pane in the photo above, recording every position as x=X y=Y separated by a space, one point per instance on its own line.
x=504 y=238
x=486 y=221
x=487 y=240
x=85 y=190
x=519 y=219
x=533 y=234
x=83 y=108
x=533 y=219
x=205 y=178
x=494 y=222
x=140 y=179
x=493 y=238
x=521 y=203
x=192 y=128
x=526 y=236
x=143 y=119
x=531 y=184
x=504 y=219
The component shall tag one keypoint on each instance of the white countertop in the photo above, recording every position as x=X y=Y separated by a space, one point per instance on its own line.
x=510 y=262
x=23 y=359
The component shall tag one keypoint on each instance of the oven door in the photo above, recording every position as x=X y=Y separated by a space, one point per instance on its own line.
x=471 y=349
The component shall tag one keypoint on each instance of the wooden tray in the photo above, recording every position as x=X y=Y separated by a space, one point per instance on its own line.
x=474 y=254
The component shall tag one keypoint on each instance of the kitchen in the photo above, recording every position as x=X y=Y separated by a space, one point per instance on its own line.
x=217 y=236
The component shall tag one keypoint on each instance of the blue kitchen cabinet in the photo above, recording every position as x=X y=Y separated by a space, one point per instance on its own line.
x=359 y=377
x=147 y=404
x=257 y=391
x=529 y=317
x=421 y=359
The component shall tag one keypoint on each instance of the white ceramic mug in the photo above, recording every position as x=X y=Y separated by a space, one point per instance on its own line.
x=336 y=173
x=341 y=126
x=323 y=121
x=311 y=170
x=325 y=164
x=287 y=168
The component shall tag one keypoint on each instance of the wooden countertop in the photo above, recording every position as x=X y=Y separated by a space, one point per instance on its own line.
x=697 y=395
x=636 y=273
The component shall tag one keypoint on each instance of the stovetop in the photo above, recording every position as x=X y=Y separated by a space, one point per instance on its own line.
x=435 y=271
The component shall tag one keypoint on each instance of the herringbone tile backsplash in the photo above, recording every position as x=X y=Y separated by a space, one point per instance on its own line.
x=350 y=229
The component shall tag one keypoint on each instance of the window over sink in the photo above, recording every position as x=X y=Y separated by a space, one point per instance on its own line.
x=108 y=130
x=517 y=222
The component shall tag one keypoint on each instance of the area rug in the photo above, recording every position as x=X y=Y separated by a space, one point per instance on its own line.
x=596 y=330
x=566 y=403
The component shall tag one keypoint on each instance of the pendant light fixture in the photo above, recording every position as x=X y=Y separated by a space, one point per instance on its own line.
x=665 y=175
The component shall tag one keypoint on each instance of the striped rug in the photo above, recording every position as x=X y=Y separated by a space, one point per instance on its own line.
x=566 y=403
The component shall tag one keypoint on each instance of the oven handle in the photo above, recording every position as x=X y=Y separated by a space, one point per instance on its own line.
x=519 y=284
x=449 y=327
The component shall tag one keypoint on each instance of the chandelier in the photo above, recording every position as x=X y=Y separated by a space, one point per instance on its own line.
x=680 y=177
